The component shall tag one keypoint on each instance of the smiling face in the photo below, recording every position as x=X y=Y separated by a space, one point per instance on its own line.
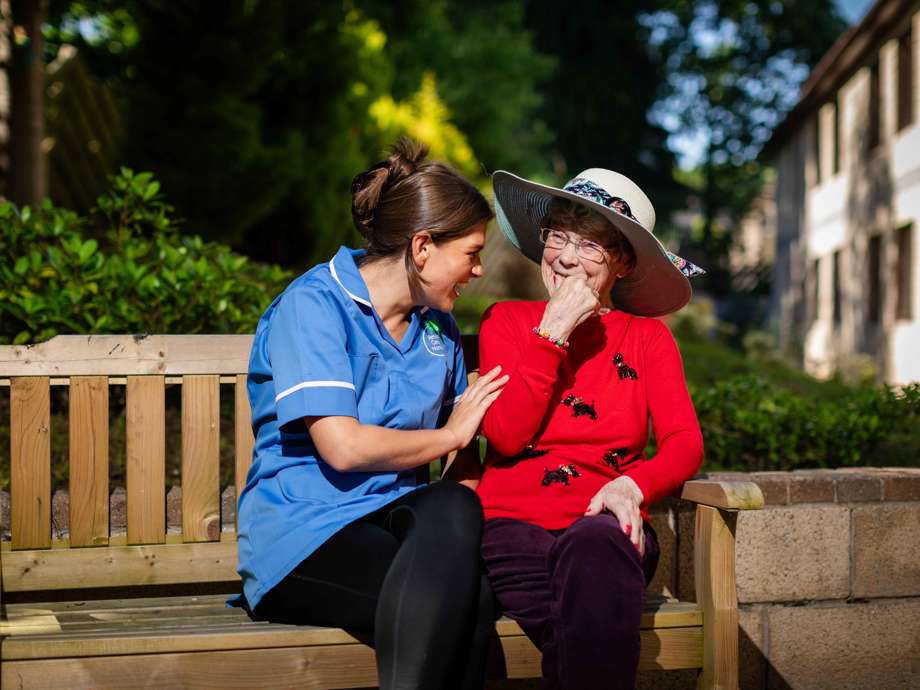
x=449 y=267
x=558 y=264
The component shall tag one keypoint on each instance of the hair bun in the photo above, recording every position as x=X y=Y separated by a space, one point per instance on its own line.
x=368 y=187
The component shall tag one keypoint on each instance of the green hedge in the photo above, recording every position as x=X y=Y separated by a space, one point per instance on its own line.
x=752 y=424
x=123 y=268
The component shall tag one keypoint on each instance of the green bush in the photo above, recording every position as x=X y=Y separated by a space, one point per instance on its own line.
x=124 y=268
x=751 y=424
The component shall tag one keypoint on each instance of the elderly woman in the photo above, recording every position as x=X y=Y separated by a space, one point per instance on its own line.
x=567 y=484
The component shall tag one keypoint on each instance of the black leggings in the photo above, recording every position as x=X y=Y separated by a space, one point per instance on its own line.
x=406 y=579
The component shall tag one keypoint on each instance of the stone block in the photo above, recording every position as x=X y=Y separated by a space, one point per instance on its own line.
x=886 y=550
x=664 y=525
x=773 y=485
x=872 y=646
x=60 y=514
x=174 y=508
x=811 y=486
x=793 y=554
x=752 y=663
x=686 y=523
x=853 y=488
x=5 y=513
x=901 y=485
x=228 y=508
x=118 y=511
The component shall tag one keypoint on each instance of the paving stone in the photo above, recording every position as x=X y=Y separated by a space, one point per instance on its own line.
x=886 y=550
x=865 y=646
x=811 y=486
x=793 y=554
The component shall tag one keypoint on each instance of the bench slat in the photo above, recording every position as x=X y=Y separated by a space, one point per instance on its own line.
x=125 y=355
x=30 y=455
x=312 y=668
x=119 y=566
x=243 y=438
x=200 y=458
x=146 y=459
x=89 y=461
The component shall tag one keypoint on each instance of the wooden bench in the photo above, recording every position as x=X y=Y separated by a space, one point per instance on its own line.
x=146 y=608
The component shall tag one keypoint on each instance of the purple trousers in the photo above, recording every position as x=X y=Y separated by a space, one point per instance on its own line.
x=577 y=593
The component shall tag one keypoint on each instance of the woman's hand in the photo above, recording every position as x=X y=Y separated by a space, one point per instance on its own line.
x=467 y=415
x=573 y=302
x=622 y=497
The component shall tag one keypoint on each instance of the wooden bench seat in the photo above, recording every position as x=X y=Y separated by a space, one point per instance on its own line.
x=98 y=643
x=79 y=612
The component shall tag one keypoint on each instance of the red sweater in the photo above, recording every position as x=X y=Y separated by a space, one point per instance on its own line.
x=535 y=409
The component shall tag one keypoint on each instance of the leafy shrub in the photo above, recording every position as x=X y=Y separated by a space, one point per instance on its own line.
x=124 y=268
x=750 y=424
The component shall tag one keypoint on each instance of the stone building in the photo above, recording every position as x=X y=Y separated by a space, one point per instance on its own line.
x=848 y=202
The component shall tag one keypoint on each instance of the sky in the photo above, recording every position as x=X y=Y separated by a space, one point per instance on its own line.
x=689 y=147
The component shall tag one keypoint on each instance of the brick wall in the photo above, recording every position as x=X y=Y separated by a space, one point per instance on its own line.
x=828 y=579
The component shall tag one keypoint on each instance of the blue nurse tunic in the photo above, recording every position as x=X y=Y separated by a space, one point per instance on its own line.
x=321 y=349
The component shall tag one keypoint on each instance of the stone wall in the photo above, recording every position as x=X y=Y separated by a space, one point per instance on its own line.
x=828 y=579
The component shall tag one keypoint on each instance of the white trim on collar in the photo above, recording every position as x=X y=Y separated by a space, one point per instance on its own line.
x=347 y=291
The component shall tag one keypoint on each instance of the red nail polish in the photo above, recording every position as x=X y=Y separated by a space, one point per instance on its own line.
x=628 y=530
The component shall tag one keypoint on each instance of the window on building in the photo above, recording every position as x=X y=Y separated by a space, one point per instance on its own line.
x=816 y=147
x=874 y=306
x=815 y=294
x=875 y=107
x=905 y=80
x=905 y=242
x=836 y=142
x=835 y=286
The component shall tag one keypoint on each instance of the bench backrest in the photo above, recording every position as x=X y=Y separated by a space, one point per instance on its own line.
x=90 y=555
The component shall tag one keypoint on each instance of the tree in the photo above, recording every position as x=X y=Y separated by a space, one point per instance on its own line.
x=734 y=68
x=28 y=183
x=489 y=73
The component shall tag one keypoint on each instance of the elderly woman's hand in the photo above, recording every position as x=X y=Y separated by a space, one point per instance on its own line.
x=571 y=303
x=622 y=497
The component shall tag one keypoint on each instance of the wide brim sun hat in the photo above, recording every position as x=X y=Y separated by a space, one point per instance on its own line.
x=658 y=285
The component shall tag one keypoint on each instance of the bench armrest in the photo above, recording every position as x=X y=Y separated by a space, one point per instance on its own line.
x=725 y=495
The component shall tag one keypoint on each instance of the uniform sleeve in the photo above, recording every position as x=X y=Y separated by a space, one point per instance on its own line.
x=677 y=431
x=533 y=366
x=309 y=363
x=457 y=382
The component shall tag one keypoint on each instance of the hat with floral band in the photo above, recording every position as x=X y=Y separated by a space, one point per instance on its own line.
x=658 y=285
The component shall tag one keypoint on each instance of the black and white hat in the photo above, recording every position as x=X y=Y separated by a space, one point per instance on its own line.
x=658 y=285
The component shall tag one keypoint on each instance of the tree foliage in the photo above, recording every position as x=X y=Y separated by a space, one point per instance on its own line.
x=122 y=269
x=734 y=69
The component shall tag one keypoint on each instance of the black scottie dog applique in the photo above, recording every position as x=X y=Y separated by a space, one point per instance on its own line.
x=580 y=407
x=560 y=475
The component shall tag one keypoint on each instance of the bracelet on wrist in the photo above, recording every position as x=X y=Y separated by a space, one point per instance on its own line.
x=558 y=342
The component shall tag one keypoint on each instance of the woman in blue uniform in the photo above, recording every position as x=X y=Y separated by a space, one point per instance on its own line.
x=356 y=379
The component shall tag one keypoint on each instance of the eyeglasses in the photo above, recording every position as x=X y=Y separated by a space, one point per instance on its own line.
x=585 y=249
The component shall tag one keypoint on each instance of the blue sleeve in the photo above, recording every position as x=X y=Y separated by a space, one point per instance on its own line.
x=457 y=382
x=309 y=362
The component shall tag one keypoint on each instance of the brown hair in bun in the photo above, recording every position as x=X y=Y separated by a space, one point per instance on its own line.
x=405 y=194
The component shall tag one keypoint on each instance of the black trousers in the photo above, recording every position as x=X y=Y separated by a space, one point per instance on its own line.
x=406 y=579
